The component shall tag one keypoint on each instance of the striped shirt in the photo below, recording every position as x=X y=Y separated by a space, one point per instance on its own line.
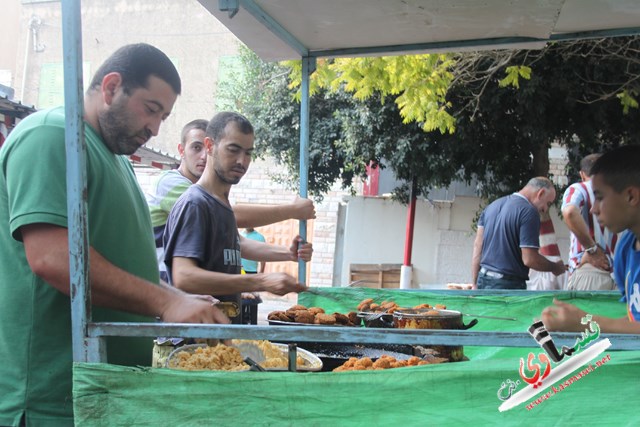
x=581 y=195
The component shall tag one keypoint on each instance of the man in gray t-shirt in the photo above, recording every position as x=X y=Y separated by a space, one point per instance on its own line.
x=203 y=248
x=507 y=241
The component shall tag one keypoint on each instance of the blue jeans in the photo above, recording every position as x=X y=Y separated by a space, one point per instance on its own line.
x=486 y=282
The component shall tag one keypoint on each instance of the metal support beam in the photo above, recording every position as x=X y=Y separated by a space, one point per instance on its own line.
x=77 y=219
x=308 y=67
x=272 y=25
x=231 y=6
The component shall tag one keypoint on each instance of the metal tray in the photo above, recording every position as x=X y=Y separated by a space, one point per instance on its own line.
x=312 y=362
x=283 y=323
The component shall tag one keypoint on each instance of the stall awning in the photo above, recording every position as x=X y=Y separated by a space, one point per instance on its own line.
x=16 y=109
x=290 y=29
x=153 y=157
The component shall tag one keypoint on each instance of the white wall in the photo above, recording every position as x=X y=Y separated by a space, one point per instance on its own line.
x=375 y=229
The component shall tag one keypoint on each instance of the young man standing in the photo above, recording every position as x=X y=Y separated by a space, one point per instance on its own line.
x=203 y=249
x=171 y=184
x=592 y=245
x=130 y=95
x=616 y=186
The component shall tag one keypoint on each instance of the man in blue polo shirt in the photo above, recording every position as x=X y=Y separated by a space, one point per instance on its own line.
x=507 y=241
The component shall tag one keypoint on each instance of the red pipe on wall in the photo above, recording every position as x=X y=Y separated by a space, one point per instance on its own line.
x=411 y=215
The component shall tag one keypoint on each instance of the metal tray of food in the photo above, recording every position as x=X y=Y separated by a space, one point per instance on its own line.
x=246 y=348
x=283 y=323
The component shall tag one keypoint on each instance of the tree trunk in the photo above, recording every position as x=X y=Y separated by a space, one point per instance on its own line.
x=541 y=161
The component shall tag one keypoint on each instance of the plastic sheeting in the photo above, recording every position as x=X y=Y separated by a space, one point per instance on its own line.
x=445 y=394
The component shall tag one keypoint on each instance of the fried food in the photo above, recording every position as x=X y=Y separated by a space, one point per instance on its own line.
x=365 y=304
x=274 y=356
x=384 y=362
x=353 y=317
x=298 y=307
x=218 y=358
x=325 y=319
x=316 y=310
x=304 y=316
x=280 y=316
x=418 y=307
x=341 y=319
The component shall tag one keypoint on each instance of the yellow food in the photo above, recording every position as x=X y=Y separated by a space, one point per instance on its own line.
x=218 y=358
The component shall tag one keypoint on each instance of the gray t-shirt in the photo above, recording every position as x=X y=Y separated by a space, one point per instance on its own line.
x=203 y=228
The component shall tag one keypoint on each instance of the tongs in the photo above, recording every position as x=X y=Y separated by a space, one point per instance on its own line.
x=480 y=315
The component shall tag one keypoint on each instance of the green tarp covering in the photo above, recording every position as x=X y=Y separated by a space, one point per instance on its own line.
x=462 y=393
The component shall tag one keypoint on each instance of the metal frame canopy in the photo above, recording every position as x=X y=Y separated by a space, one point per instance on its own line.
x=307 y=29
x=291 y=29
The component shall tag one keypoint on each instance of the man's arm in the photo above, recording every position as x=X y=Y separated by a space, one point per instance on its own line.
x=47 y=251
x=475 y=259
x=575 y=223
x=189 y=277
x=260 y=251
x=566 y=317
x=532 y=259
x=260 y=215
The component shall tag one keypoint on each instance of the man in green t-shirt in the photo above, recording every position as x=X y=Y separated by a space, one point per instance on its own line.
x=128 y=98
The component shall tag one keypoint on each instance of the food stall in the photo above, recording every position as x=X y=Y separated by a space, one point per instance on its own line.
x=439 y=394
x=470 y=390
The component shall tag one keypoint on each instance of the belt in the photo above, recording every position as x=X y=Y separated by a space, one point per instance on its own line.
x=496 y=275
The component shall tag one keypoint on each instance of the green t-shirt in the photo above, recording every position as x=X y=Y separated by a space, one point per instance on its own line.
x=35 y=318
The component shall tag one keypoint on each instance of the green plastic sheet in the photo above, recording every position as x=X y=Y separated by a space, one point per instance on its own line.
x=446 y=394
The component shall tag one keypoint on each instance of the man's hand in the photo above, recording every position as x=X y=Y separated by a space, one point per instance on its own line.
x=559 y=268
x=188 y=308
x=563 y=317
x=303 y=209
x=597 y=259
x=300 y=250
x=280 y=283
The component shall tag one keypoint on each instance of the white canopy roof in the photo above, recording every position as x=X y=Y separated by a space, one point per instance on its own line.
x=290 y=29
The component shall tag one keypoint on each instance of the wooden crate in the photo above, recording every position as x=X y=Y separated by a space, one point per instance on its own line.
x=378 y=276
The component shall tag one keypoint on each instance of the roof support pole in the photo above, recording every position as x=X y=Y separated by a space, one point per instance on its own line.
x=84 y=349
x=308 y=67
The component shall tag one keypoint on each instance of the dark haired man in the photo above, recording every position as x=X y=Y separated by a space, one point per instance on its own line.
x=170 y=185
x=130 y=96
x=508 y=238
x=616 y=185
x=203 y=249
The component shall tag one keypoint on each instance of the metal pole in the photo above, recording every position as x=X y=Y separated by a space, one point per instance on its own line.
x=308 y=67
x=76 y=178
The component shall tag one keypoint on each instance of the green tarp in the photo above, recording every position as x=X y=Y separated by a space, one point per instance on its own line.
x=446 y=394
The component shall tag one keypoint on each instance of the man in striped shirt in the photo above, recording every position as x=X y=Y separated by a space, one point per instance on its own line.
x=592 y=245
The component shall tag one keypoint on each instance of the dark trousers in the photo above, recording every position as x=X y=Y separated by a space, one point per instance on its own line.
x=486 y=282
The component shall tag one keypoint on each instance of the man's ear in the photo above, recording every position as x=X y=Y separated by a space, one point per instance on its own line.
x=208 y=145
x=110 y=85
x=180 y=149
x=633 y=196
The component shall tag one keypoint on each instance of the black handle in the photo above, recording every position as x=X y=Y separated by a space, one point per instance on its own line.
x=470 y=324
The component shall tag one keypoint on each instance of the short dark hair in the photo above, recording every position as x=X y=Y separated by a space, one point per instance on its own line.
x=216 y=126
x=135 y=63
x=200 y=124
x=620 y=167
x=587 y=163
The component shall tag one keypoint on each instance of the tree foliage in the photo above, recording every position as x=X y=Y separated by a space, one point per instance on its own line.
x=489 y=116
